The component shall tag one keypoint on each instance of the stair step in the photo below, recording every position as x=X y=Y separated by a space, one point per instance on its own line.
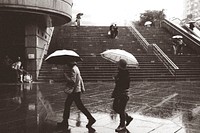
x=90 y=41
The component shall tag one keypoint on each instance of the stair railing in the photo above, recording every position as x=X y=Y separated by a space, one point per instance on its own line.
x=165 y=59
x=195 y=40
x=139 y=37
x=168 y=63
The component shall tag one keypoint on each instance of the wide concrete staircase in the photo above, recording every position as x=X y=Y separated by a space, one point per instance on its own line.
x=189 y=63
x=189 y=67
x=89 y=42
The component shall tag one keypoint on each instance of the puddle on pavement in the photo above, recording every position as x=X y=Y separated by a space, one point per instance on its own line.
x=38 y=106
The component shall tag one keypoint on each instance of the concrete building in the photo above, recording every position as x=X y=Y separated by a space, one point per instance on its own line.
x=27 y=27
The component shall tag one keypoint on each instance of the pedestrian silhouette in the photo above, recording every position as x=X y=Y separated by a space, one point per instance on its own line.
x=78 y=19
x=113 y=31
x=120 y=95
x=115 y=28
x=17 y=66
x=191 y=25
x=74 y=88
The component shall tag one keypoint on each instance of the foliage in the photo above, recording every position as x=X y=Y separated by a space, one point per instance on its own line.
x=152 y=16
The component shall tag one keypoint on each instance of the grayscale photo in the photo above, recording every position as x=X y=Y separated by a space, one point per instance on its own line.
x=99 y=66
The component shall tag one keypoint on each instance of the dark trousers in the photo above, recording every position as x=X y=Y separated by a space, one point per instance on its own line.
x=76 y=97
x=119 y=106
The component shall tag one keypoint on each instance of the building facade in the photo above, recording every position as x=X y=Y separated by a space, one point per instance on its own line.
x=27 y=27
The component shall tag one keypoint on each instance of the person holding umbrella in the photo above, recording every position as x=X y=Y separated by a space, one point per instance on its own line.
x=120 y=95
x=74 y=88
x=178 y=44
x=78 y=19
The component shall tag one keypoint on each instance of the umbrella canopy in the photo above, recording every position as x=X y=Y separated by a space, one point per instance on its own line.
x=147 y=23
x=114 y=55
x=177 y=36
x=63 y=57
x=79 y=14
x=191 y=21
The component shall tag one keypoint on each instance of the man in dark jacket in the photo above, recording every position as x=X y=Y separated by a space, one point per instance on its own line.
x=115 y=28
x=120 y=95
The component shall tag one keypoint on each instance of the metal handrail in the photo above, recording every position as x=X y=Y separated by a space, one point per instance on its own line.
x=172 y=67
x=180 y=31
x=139 y=37
x=168 y=63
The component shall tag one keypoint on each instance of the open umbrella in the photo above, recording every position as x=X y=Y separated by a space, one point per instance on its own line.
x=79 y=14
x=177 y=36
x=114 y=55
x=148 y=23
x=191 y=21
x=63 y=57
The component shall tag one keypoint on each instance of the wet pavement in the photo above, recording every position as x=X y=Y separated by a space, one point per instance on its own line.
x=157 y=107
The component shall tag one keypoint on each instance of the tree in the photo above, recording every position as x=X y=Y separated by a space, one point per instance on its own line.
x=152 y=16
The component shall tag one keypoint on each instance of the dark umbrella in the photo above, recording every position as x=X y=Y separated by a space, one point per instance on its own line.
x=79 y=14
x=62 y=57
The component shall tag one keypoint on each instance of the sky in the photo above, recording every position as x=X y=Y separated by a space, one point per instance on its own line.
x=105 y=12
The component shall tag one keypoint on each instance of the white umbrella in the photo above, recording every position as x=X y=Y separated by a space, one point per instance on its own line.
x=147 y=23
x=114 y=55
x=191 y=21
x=197 y=19
x=177 y=36
x=63 y=57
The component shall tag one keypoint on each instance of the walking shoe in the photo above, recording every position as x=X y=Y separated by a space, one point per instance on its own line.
x=91 y=130
x=62 y=125
x=128 y=121
x=120 y=128
x=90 y=123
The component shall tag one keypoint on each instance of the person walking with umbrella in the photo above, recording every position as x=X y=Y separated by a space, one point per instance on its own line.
x=120 y=95
x=78 y=19
x=74 y=88
x=178 y=44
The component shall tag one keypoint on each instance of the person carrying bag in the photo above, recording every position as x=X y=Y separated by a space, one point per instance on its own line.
x=74 y=88
x=120 y=95
x=17 y=66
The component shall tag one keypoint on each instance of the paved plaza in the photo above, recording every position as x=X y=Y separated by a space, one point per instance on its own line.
x=157 y=107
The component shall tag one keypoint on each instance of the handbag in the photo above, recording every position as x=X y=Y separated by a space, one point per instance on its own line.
x=14 y=66
x=109 y=33
x=68 y=88
x=27 y=78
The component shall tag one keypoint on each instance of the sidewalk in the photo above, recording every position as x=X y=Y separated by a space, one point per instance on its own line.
x=157 y=107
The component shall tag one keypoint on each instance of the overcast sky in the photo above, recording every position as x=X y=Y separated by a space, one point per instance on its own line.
x=105 y=12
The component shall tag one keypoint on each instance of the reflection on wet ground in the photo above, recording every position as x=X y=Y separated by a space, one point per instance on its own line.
x=157 y=107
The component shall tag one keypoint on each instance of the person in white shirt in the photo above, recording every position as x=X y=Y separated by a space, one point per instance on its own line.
x=74 y=88
x=17 y=66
